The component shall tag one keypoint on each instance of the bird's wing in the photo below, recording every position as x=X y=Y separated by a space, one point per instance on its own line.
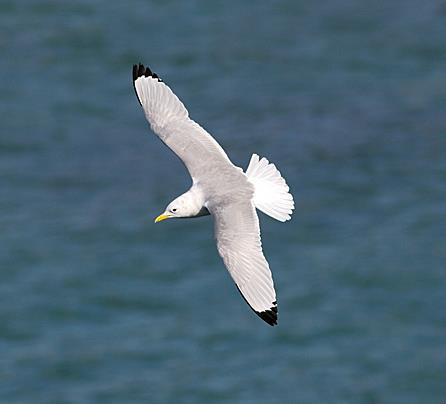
x=170 y=120
x=237 y=232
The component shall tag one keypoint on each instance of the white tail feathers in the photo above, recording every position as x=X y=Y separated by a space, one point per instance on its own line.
x=271 y=194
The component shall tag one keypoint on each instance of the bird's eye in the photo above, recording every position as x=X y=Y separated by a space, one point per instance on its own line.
x=174 y=209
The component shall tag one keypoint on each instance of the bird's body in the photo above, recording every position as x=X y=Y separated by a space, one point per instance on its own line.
x=221 y=189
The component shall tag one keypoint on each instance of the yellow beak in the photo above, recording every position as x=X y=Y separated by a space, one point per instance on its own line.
x=162 y=217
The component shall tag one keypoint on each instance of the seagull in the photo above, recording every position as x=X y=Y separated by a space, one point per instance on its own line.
x=220 y=189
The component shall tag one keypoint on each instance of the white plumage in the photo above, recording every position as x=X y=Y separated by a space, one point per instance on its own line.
x=221 y=189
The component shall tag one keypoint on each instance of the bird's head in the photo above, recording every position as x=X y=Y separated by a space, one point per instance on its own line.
x=183 y=206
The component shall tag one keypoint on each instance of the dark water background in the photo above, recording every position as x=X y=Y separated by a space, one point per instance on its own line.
x=99 y=305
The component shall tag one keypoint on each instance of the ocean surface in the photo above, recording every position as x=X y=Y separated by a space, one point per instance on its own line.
x=100 y=305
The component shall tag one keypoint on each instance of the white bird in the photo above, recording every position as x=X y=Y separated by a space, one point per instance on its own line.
x=221 y=189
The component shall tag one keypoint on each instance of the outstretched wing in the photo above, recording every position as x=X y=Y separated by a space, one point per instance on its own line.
x=170 y=120
x=237 y=232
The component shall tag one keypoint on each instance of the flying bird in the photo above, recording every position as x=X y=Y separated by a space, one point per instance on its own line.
x=221 y=189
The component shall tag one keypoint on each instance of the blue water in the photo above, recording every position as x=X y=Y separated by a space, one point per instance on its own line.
x=100 y=305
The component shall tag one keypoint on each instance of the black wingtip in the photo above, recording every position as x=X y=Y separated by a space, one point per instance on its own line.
x=135 y=72
x=140 y=70
x=269 y=316
x=135 y=76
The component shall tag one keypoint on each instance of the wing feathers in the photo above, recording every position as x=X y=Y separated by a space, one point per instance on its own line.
x=169 y=119
x=160 y=104
x=237 y=233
